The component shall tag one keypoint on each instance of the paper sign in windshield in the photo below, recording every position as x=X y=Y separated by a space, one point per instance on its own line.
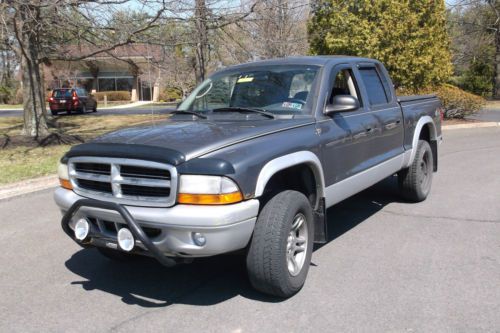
x=292 y=105
x=245 y=79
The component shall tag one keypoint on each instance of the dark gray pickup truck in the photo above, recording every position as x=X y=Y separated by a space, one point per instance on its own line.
x=248 y=163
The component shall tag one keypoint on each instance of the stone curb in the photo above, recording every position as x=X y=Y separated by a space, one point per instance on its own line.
x=471 y=125
x=27 y=186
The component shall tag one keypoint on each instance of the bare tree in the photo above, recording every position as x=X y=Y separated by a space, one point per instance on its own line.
x=480 y=22
x=38 y=31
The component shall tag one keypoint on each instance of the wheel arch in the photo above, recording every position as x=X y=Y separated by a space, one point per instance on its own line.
x=424 y=129
x=286 y=162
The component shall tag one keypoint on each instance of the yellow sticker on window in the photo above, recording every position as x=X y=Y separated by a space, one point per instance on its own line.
x=245 y=79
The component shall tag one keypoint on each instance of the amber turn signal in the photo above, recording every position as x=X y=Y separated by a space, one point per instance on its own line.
x=65 y=184
x=209 y=199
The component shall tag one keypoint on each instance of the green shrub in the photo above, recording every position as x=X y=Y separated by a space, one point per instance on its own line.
x=6 y=94
x=120 y=95
x=170 y=94
x=477 y=78
x=456 y=102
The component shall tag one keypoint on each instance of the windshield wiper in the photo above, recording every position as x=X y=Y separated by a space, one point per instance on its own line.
x=197 y=114
x=240 y=109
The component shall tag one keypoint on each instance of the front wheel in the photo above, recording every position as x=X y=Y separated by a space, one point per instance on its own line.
x=415 y=182
x=281 y=247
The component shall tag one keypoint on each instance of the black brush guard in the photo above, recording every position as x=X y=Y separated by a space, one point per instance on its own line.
x=129 y=220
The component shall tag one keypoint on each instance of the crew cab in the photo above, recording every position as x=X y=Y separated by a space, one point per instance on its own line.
x=249 y=163
x=71 y=100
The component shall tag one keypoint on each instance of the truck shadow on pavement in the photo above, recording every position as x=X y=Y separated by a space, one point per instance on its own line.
x=208 y=281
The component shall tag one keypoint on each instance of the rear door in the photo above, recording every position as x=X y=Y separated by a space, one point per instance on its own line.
x=381 y=102
x=83 y=97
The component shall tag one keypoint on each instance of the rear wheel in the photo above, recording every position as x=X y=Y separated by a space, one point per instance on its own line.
x=415 y=182
x=83 y=109
x=281 y=247
x=54 y=112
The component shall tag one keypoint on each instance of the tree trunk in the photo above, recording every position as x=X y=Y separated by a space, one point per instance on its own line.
x=200 y=15
x=35 y=122
x=496 y=66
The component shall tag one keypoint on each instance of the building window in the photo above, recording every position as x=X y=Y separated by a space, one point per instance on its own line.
x=124 y=84
x=107 y=84
x=85 y=83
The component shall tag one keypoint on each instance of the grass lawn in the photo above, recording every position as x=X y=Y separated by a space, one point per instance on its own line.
x=19 y=162
x=10 y=106
x=169 y=105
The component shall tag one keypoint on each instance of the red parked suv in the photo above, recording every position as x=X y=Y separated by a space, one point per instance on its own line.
x=71 y=99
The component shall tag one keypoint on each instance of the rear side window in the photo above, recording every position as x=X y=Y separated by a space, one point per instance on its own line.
x=60 y=93
x=374 y=87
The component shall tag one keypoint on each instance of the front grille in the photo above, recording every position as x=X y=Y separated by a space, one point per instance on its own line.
x=102 y=169
x=145 y=191
x=95 y=186
x=151 y=173
x=127 y=181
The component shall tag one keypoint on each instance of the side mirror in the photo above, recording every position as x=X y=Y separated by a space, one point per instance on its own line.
x=342 y=103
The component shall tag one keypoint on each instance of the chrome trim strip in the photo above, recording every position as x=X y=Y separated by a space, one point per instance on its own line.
x=90 y=176
x=117 y=180
x=354 y=184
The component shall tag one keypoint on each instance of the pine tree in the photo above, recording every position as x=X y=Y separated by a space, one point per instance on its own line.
x=408 y=36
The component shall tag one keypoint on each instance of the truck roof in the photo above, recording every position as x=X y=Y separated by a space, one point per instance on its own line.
x=320 y=60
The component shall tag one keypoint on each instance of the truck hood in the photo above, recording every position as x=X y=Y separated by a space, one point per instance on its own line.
x=196 y=138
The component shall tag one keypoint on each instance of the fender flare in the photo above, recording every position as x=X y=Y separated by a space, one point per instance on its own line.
x=410 y=154
x=289 y=160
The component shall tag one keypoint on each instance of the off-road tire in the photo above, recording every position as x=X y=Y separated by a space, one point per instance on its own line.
x=116 y=255
x=415 y=182
x=266 y=260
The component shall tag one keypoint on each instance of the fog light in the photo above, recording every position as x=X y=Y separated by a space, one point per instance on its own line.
x=126 y=239
x=82 y=229
x=199 y=238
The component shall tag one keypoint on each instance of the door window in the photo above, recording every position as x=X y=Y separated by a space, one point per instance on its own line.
x=345 y=84
x=374 y=87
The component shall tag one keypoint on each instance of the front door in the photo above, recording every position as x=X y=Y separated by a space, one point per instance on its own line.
x=347 y=137
x=146 y=91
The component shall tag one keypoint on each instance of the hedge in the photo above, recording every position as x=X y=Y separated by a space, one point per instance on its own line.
x=120 y=95
x=170 y=95
x=456 y=102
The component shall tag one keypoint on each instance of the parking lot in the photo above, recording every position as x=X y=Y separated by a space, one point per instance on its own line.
x=388 y=266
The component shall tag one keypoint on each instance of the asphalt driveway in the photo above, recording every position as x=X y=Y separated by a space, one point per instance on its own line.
x=389 y=266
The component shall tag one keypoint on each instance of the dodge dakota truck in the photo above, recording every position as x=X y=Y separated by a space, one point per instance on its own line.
x=248 y=163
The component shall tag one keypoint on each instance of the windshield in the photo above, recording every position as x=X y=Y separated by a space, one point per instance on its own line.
x=285 y=89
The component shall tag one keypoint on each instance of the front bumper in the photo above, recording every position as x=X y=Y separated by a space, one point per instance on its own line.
x=226 y=228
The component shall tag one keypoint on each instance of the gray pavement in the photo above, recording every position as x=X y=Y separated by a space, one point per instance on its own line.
x=389 y=266
x=489 y=113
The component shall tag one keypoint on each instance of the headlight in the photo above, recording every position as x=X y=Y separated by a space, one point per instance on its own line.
x=208 y=190
x=62 y=172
